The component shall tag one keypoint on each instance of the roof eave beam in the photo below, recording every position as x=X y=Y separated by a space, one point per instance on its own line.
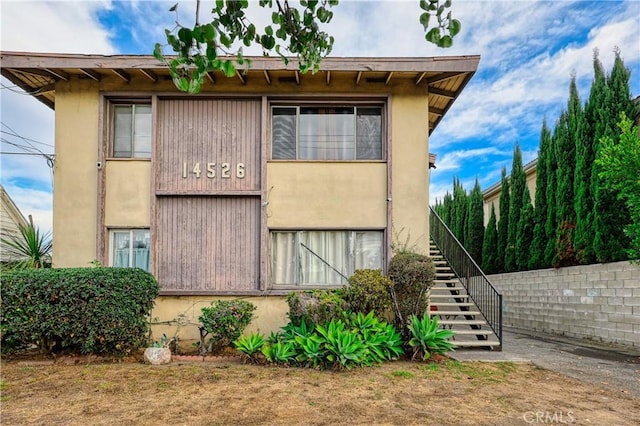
x=91 y=74
x=59 y=74
x=242 y=78
x=122 y=74
x=267 y=77
x=150 y=75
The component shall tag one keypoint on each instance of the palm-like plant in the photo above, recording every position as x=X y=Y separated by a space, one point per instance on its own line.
x=428 y=338
x=32 y=247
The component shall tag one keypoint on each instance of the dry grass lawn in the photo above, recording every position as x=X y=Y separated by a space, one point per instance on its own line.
x=230 y=393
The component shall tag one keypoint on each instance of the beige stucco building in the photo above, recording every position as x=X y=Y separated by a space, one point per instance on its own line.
x=264 y=183
x=491 y=195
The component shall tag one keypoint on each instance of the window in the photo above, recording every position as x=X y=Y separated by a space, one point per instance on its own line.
x=323 y=257
x=326 y=133
x=130 y=248
x=132 y=131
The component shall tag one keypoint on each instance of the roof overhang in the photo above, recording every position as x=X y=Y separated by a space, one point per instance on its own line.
x=443 y=78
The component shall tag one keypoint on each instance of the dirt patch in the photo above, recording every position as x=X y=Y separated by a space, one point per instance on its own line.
x=228 y=393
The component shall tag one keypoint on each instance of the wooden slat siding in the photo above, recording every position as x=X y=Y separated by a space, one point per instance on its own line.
x=203 y=131
x=208 y=243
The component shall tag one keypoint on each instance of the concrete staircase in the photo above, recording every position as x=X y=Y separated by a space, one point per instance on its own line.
x=455 y=310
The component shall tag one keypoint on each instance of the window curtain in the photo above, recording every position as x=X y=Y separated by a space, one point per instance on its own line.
x=283 y=133
x=131 y=255
x=325 y=257
x=284 y=258
x=327 y=133
x=369 y=134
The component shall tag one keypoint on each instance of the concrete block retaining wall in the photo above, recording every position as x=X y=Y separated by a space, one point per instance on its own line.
x=599 y=302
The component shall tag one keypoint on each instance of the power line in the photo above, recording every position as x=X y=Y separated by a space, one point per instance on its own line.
x=25 y=138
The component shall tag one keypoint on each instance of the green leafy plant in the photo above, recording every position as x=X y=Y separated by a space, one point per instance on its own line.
x=31 y=247
x=224 y=321
x=250 y=345
x=311 y=353
x=81 y=310
x=413 y=275
x=316 y=306
x=427 y=338
x=283 y=352
x=344 y=349
x=368 y=290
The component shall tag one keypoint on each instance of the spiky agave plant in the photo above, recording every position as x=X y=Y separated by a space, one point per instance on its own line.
x=32 y=247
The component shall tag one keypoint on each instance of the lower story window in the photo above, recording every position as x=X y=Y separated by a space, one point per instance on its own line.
x=130 y=248
x=323 y=257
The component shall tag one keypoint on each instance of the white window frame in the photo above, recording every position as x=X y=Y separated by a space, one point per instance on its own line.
x=131 y=231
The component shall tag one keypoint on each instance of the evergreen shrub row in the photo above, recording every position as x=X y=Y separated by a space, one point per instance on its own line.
x=78 y=310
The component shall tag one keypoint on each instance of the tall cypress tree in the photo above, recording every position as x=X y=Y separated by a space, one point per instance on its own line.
x=570 y=132
x=550 y=226
x=503 y=223
x=490 y=245
x=541 y=205
x=460 y=207
x=518 y=183
x=595 y=122
x=610 y=213
x=475 y=223
x=524 y=232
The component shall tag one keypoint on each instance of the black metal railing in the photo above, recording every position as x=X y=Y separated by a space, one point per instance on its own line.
x=478 y=286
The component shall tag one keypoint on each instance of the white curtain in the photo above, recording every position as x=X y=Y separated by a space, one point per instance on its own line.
x=327 y=133
x=323 y=257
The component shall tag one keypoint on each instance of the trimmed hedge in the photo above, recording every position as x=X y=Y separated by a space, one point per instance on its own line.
x=412 y=275
x=79 y=310
x=369 y=290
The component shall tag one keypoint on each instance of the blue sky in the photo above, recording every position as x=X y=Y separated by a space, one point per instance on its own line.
x=529 y=51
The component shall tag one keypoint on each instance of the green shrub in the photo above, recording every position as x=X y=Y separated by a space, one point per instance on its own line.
x=224 y=321
x=315 y=306
x=82 y=310
x=340 y=344
x=427 y=338
x=368 y=290
x=250 y=346
x=412 y=275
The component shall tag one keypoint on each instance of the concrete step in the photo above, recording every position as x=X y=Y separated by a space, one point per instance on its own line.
x=440 y=313
x=461 y=322
x=473 y=332
x=447 y=297
x=476 y=343
x=455 y=304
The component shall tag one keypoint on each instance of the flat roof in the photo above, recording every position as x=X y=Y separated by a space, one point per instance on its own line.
x=444 y=77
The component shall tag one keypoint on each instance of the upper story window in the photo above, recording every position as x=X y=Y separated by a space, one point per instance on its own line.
x=326 y=133
x=132 y=131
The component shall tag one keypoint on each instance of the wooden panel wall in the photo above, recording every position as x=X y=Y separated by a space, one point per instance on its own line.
x=220 y=137
x=207 y=214
x=208 y=243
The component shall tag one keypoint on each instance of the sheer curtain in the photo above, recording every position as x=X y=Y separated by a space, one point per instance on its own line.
x=323 y=257
x=327 y=133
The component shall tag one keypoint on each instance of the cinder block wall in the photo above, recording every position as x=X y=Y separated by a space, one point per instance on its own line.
x=599 y=302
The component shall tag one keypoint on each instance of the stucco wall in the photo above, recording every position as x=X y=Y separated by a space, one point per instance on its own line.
x=75 y=175
x=127 y=193
x=329 y=195
x=410 y=171
x=270 y=315
x=600 y=302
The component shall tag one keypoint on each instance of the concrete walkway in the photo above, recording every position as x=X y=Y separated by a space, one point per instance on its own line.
x=616 y=368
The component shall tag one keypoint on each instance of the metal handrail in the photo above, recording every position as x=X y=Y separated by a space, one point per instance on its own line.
x=486 y=297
